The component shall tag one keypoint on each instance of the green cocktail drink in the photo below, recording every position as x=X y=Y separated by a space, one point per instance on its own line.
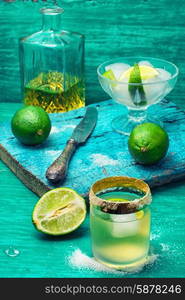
x=120 y=223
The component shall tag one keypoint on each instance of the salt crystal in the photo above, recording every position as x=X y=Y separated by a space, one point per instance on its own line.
x=55 y=129
x=54 y=152
x=103 y=160
x=82 y=261
x=164 y=247
x=154 y=236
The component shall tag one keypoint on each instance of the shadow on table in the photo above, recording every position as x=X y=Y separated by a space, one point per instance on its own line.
x=78 y=233
x=178 y=183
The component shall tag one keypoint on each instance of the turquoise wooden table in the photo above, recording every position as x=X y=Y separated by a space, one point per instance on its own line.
x=112 y=28
x=43 y=256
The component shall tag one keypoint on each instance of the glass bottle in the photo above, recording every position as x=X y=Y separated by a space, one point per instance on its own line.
x=52 y=65
x=120 y=221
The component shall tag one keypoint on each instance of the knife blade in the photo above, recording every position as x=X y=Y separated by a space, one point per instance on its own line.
x=58 y=169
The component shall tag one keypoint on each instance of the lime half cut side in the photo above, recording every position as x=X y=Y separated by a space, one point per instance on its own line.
x=59 y=211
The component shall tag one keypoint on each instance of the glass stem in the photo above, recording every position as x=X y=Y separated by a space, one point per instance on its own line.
x=137 y=115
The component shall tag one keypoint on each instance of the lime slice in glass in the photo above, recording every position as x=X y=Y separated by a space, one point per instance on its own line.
x=59 y=211
x=109 y=74
x=146 y=72
x=139 y=214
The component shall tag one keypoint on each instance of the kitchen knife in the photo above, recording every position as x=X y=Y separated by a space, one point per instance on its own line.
x=57 y=171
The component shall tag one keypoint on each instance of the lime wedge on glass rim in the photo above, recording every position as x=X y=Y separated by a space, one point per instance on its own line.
x=59 y=211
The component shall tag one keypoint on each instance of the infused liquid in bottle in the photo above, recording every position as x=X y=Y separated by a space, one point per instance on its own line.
x=52 y=65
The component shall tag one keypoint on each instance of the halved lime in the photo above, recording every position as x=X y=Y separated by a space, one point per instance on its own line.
x=59 y=211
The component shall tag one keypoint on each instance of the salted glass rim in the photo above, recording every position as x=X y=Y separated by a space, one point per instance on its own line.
x=107 y=183
x=111 y=61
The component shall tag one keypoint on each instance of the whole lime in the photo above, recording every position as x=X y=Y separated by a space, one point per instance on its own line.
x=148 y=143
x=31 y=125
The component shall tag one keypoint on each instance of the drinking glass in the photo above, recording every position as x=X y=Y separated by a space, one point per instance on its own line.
x=120 y=220
x=137 y=97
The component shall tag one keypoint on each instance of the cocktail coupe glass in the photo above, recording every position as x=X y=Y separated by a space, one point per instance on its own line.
x=137 y=97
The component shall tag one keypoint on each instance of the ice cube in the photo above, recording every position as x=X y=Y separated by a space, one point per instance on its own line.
x=157 y=89
x=145 y=63
x=163 y=74
x=117 y=68
x=155 y=92
x=123 y=218
x=120 y=93
x=124 y=225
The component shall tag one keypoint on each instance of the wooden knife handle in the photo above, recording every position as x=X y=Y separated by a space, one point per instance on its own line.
x=57 y=171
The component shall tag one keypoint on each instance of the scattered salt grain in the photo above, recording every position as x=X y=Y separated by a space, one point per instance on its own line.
x=54 y=152
x=103 y=160
x=164 y=247
x=155 y=236
x=82 y=261
x=55 y=129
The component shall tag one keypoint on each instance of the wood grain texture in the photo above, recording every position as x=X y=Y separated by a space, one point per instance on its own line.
x=112 y=28
x=42 y=256
x=31 y=181
x=94 y=160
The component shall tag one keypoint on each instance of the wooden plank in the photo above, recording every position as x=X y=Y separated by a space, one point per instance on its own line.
x=112 y=28
x=30 y=180
x=94 y=160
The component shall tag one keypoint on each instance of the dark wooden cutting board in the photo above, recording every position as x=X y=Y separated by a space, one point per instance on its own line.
x=104 y=154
